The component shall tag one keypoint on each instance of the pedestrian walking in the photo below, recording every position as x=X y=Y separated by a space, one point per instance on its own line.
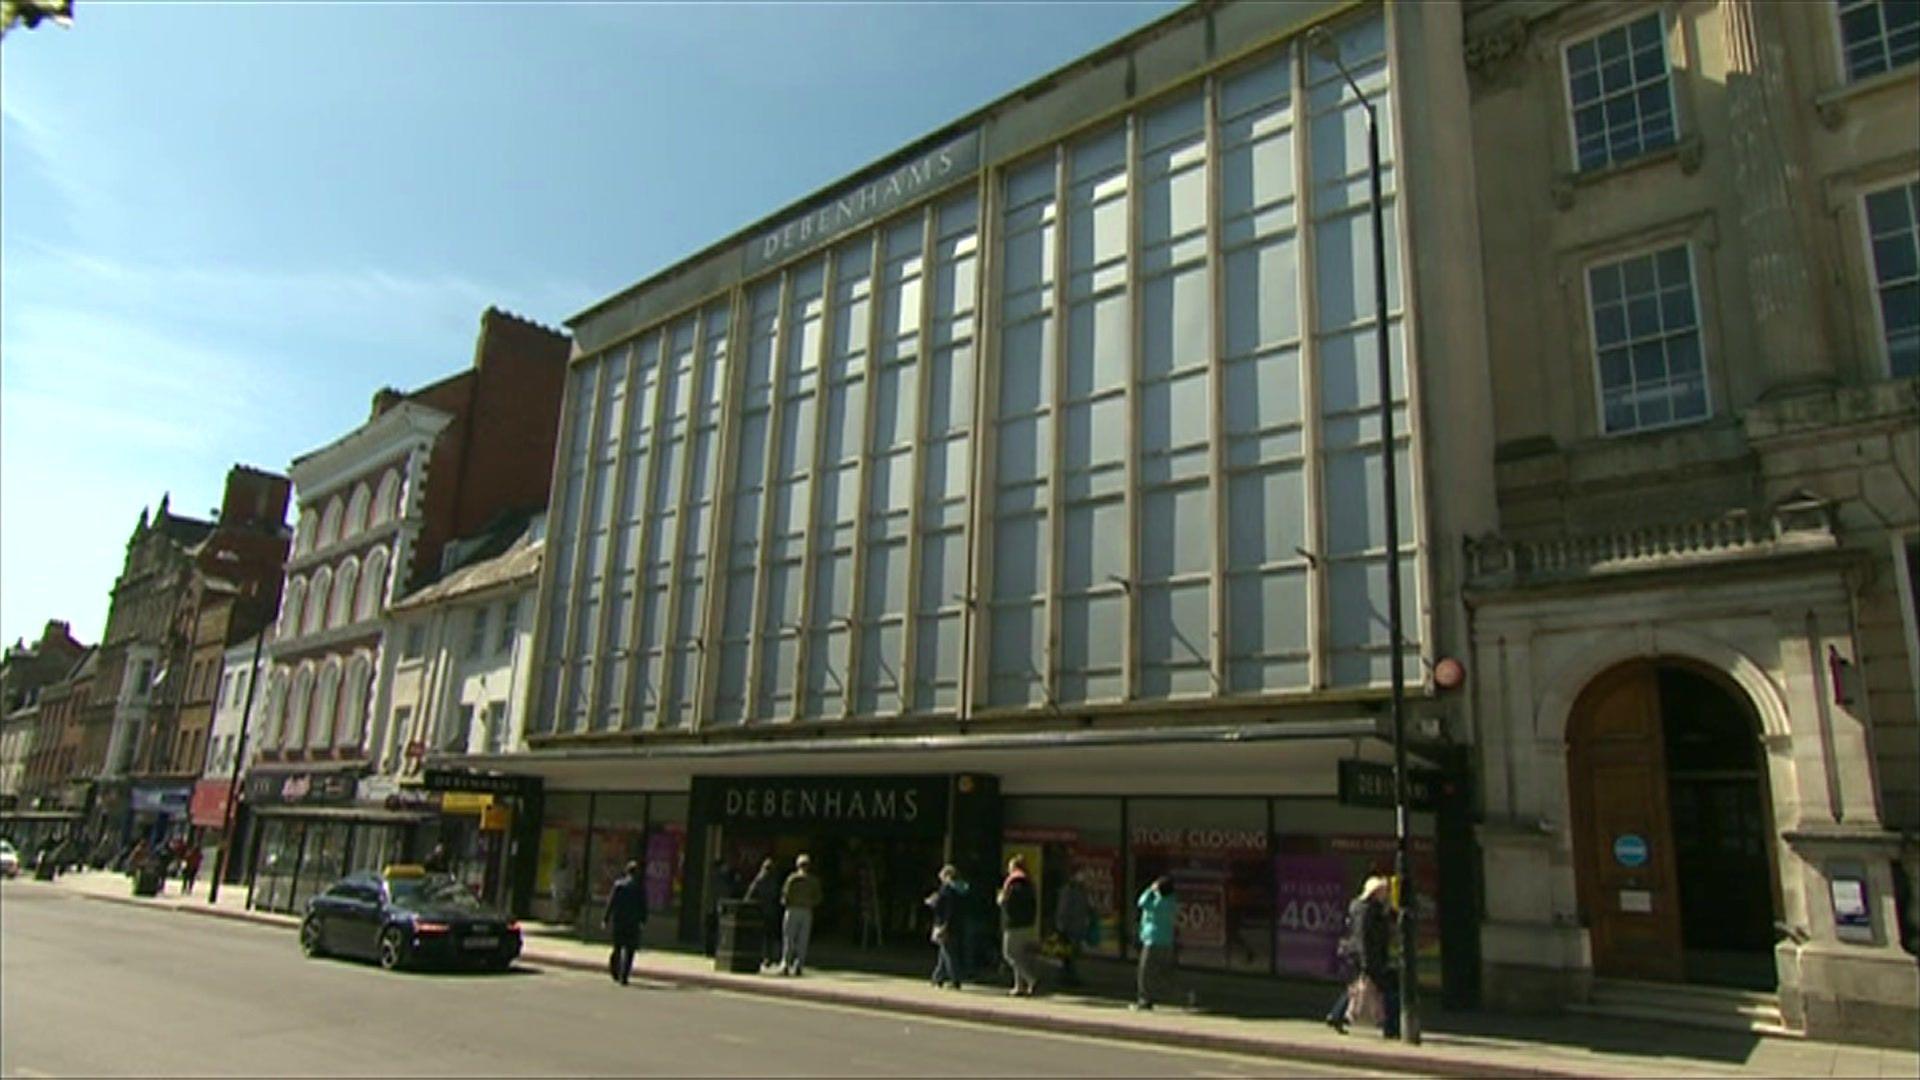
x=1073 y=920
x=626 y=918
x=763 y=892
x=800 y=894
x=189 y=869
x=1019 y=925
x=721 y=885
x=1373 y=988
x=949 y=904
x=1158 y=911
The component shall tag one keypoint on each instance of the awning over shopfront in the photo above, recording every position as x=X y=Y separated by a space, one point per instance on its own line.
x=209 y=807
x=1296 y=757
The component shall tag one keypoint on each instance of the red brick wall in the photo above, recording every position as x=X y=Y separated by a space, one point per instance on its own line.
x=497 y=454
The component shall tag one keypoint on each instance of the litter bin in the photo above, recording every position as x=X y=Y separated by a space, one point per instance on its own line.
x=149 y=877
x=742 y=928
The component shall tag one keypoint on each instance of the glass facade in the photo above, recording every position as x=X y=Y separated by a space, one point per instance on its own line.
x=586 y=841
x=1263 y=884
x=1163 y=331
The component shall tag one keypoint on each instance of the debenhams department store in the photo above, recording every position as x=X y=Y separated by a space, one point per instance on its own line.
x=1022 y=493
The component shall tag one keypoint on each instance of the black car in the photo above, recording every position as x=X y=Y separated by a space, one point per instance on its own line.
x=407 y=917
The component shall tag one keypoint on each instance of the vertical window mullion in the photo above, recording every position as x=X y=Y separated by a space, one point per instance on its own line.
x=910 y=630
x=718 y=548
x=1313 y=484
x=669 y=688
x=983 y=517
x=1130 y=431
x=810 y=522
x=776 y=400
x=1056 y=486
x=570 y=653
x=863 y=470
x=1216 y=388
x=646 y=528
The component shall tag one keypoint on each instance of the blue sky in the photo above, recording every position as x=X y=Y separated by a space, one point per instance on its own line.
x=222 y=227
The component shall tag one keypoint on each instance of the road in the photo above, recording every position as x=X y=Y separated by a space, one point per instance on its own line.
x=89 y=988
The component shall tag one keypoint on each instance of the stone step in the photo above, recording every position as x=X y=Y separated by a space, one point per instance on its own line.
x=1726 y=1009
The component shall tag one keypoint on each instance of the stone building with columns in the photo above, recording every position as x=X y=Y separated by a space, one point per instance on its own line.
x=1694 y=645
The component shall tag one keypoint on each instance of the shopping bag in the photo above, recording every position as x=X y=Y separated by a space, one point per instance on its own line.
x=1365 y=1003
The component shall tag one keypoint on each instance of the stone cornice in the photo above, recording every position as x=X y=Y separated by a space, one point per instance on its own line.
x=320 y=472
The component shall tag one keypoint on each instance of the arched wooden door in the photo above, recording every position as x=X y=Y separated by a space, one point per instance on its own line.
x=1622 y=828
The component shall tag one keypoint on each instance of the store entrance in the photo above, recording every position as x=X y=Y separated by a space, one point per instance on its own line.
x=873 y=887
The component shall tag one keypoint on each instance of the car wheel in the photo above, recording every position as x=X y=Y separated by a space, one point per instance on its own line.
x=393 y=949
x=311 y=941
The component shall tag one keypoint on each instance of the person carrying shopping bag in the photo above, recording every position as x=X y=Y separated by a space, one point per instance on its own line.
x=1372 y=993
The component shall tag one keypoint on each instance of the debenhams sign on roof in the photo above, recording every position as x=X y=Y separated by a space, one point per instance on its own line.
x=865 y=202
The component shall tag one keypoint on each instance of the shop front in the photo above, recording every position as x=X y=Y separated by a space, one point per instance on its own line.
x=312 y=830
x=207 y=814
x=1267 y=832
x=489 y=828
x=585 y=840
x=159 y=810
x=875 y=842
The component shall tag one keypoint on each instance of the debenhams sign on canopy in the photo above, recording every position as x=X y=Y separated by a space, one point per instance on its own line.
x=865 y=202
x=897 y=805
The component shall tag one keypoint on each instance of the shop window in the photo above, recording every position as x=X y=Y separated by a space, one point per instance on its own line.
x=279 y=857
x=1646 y=339
x=1217 y=853
x=619 y=835
x=1878 y=35
x=1621 y=93
x=1323 y=851
x=322 y=862
x=665 y=862
x=1061 y=838
x=1894 y=242
x=559 y=876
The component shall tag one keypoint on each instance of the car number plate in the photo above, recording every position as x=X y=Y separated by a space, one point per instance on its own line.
x=487 y=942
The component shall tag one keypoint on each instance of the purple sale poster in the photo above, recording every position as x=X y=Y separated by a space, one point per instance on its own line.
x=1310 y=912
x=663 y=858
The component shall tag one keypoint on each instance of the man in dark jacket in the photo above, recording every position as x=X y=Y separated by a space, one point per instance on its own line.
x=763 y=892
x=1364 y=950
x=625 y=917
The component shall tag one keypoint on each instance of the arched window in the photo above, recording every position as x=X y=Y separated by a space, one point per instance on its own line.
x=326 y=692
x=317 y=594
x=357 y=509
x=386 y=505
x=275 y=729
x=353 y=700
x=341 y=610
x=373 y=585
x=303 y=533
x=290 y=604
x=330 y=522
x=297 y=699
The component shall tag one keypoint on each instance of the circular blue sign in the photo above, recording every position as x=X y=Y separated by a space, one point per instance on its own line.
x=1630 y=850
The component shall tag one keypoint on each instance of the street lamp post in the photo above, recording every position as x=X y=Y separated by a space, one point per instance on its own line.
x=1326 y=48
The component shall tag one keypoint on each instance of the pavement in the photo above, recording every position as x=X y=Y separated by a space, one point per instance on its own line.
x=1453 y=1044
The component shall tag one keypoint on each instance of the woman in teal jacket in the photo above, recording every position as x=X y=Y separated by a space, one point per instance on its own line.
x=1158 y=910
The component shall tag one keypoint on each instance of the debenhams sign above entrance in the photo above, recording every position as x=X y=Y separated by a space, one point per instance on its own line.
x=896 y=805
x=865 y=202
